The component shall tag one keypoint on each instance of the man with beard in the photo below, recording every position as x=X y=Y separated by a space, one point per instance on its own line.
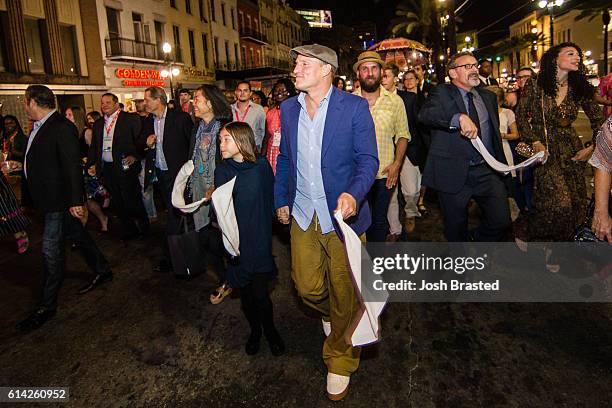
x=327 y=163
x=391 y=126
x=456 y=113
x=484 y=72
x=245 y=110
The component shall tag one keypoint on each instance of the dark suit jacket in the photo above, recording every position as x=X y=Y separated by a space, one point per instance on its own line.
x=55 y=175
x=493 y=82
x=177 y=132
x=349 y=156
x=125 y=140
x=417 y=150
x=449 y=154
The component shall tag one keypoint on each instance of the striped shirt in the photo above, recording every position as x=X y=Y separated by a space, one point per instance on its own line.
x=391 y=124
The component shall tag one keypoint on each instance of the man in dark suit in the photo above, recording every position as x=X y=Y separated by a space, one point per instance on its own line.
x=456 y=113
x=484 y=72
x=170 y=142
x=55 y=179
x=114 y=155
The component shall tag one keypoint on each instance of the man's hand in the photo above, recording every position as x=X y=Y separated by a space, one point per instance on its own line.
x=91 y=171
x=468 y=128
x=392 y=171
x=77 y=211
x=151 y=141
x=347 y=205
x=129 y=160
x=583 y=154
x=209 y=193
x=283 y=214
x=602 y=226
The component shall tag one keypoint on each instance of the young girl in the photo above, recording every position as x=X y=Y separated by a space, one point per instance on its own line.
x=253 y=204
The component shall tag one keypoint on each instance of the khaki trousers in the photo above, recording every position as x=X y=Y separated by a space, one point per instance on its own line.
x=322 y=278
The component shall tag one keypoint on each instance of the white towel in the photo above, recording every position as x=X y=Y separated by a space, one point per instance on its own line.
x=178 y=190
x=502 y=168
x=368 y=329
x=226 y=216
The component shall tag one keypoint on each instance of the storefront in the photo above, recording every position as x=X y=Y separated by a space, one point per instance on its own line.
x=129 y=82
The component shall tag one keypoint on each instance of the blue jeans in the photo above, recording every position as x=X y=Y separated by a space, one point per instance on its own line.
x=58 y=227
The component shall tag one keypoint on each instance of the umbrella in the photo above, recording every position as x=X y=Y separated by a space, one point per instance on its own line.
x=402 y=52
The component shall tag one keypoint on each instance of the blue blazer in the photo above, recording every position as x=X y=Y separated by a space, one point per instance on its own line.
x=349 y=156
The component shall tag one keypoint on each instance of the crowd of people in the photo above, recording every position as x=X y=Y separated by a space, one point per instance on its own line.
x=372 y=155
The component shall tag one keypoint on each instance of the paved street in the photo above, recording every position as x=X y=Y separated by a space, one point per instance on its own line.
x=149 y=340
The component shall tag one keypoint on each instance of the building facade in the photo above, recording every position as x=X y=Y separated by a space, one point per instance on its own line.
x=54 y=43
x=226 y=40
x=132 y=35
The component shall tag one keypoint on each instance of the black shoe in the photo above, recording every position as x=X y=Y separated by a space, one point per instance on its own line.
x=252 y=346
x=35 y=320
x=97 y=281
x=277 y=346
x=162 y=267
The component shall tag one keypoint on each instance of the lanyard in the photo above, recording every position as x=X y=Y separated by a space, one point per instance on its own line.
x=108 y=128
x=238 y=119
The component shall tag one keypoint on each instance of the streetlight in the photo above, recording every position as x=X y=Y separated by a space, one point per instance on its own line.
x=550 y=5
x=170 y=72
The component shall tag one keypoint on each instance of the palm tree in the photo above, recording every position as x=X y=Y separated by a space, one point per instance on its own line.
x=415 y=18
x=594 y=8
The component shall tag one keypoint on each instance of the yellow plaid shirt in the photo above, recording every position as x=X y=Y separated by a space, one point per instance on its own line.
x=391 y=124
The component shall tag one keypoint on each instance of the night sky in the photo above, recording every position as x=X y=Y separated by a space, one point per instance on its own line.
x=476 y=14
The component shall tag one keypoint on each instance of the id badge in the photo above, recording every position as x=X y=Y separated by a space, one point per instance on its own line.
x=276 y=139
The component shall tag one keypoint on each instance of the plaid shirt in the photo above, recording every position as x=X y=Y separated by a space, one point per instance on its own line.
x=391 y=124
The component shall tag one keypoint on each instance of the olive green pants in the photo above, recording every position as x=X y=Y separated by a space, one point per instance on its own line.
x=322 y=278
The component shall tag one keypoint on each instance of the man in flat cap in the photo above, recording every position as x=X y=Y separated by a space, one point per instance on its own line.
x=392 y=138
x=328 y=161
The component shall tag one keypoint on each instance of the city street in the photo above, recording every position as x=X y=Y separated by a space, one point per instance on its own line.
x=149 y=340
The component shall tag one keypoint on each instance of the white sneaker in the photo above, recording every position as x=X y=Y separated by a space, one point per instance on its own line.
x=326 y=327
x=337 y=386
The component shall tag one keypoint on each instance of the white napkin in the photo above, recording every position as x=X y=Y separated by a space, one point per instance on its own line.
x=503 y=168
x=226 y=216
x=178 y=190
x=368 y=328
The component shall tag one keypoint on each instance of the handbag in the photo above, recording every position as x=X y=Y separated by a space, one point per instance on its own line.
x=185 y=251
x=526 y=150
x=583 y=232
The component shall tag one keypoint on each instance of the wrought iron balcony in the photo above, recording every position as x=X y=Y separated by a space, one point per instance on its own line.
x=125 y=47
x=257 y=36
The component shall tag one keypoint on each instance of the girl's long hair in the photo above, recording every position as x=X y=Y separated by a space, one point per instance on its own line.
x=244 y=138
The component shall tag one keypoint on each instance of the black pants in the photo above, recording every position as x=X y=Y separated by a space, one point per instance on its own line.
x=126 y=197
x=379 y=198
x=211 y=244
x=257 y=307
x=166 y=183
x=489 y=192
x=58 y=227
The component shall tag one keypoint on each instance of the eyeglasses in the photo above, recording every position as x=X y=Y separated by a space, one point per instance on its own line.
x=466 y=66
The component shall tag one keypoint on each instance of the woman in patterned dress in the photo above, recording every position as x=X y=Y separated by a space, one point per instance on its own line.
x=552 y=101
x=281 y=91
x=602 y=164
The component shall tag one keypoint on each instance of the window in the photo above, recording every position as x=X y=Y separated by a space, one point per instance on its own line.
x=34 y=46
x=201 y=8
x=212 y=10
x=188 y=6
x=177 y=44
x=236 y=53
x=114 y=28
x=227 y=54
x=259 y=57
x=137 y=21
x=241 y=21
x=569 y=35
x=3 y=38
x=248 y=22
x=232 y=17
x=69 y=50
x=216 y=49
x=173 y=4
x=159 y=36
x=223 y=13
x=243 y=56
x=205 y=48
x=252 y=59
x=192 y=48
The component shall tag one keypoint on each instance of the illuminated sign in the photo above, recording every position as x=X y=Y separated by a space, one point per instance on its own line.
x=139 y=82
x=132 y=73
x=317 y=18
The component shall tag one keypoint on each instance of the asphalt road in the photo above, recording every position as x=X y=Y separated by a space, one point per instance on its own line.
x=148 y=340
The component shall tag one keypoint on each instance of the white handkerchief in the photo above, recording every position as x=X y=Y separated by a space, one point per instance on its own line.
x=178 y=190
x=501 y=167
x=226 y=216
x=368 y=328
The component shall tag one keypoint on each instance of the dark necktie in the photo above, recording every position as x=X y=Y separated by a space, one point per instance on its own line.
x=473 y=114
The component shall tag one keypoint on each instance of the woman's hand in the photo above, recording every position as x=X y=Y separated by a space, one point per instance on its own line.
x=539 y=147
x=602 y=225
x=583 y=154
x=209 y=193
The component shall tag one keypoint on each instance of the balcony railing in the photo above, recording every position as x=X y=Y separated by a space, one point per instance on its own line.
x=244 y=65
x=250 y=33
x=125 y=47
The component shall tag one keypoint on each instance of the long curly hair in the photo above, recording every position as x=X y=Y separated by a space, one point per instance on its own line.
x=577 y=80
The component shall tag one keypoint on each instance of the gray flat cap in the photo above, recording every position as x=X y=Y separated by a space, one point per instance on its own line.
x=320 y=52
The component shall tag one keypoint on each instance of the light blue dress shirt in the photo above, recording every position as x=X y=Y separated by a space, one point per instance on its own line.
x=310 y=193
x=159 y=124
x=35 y=128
